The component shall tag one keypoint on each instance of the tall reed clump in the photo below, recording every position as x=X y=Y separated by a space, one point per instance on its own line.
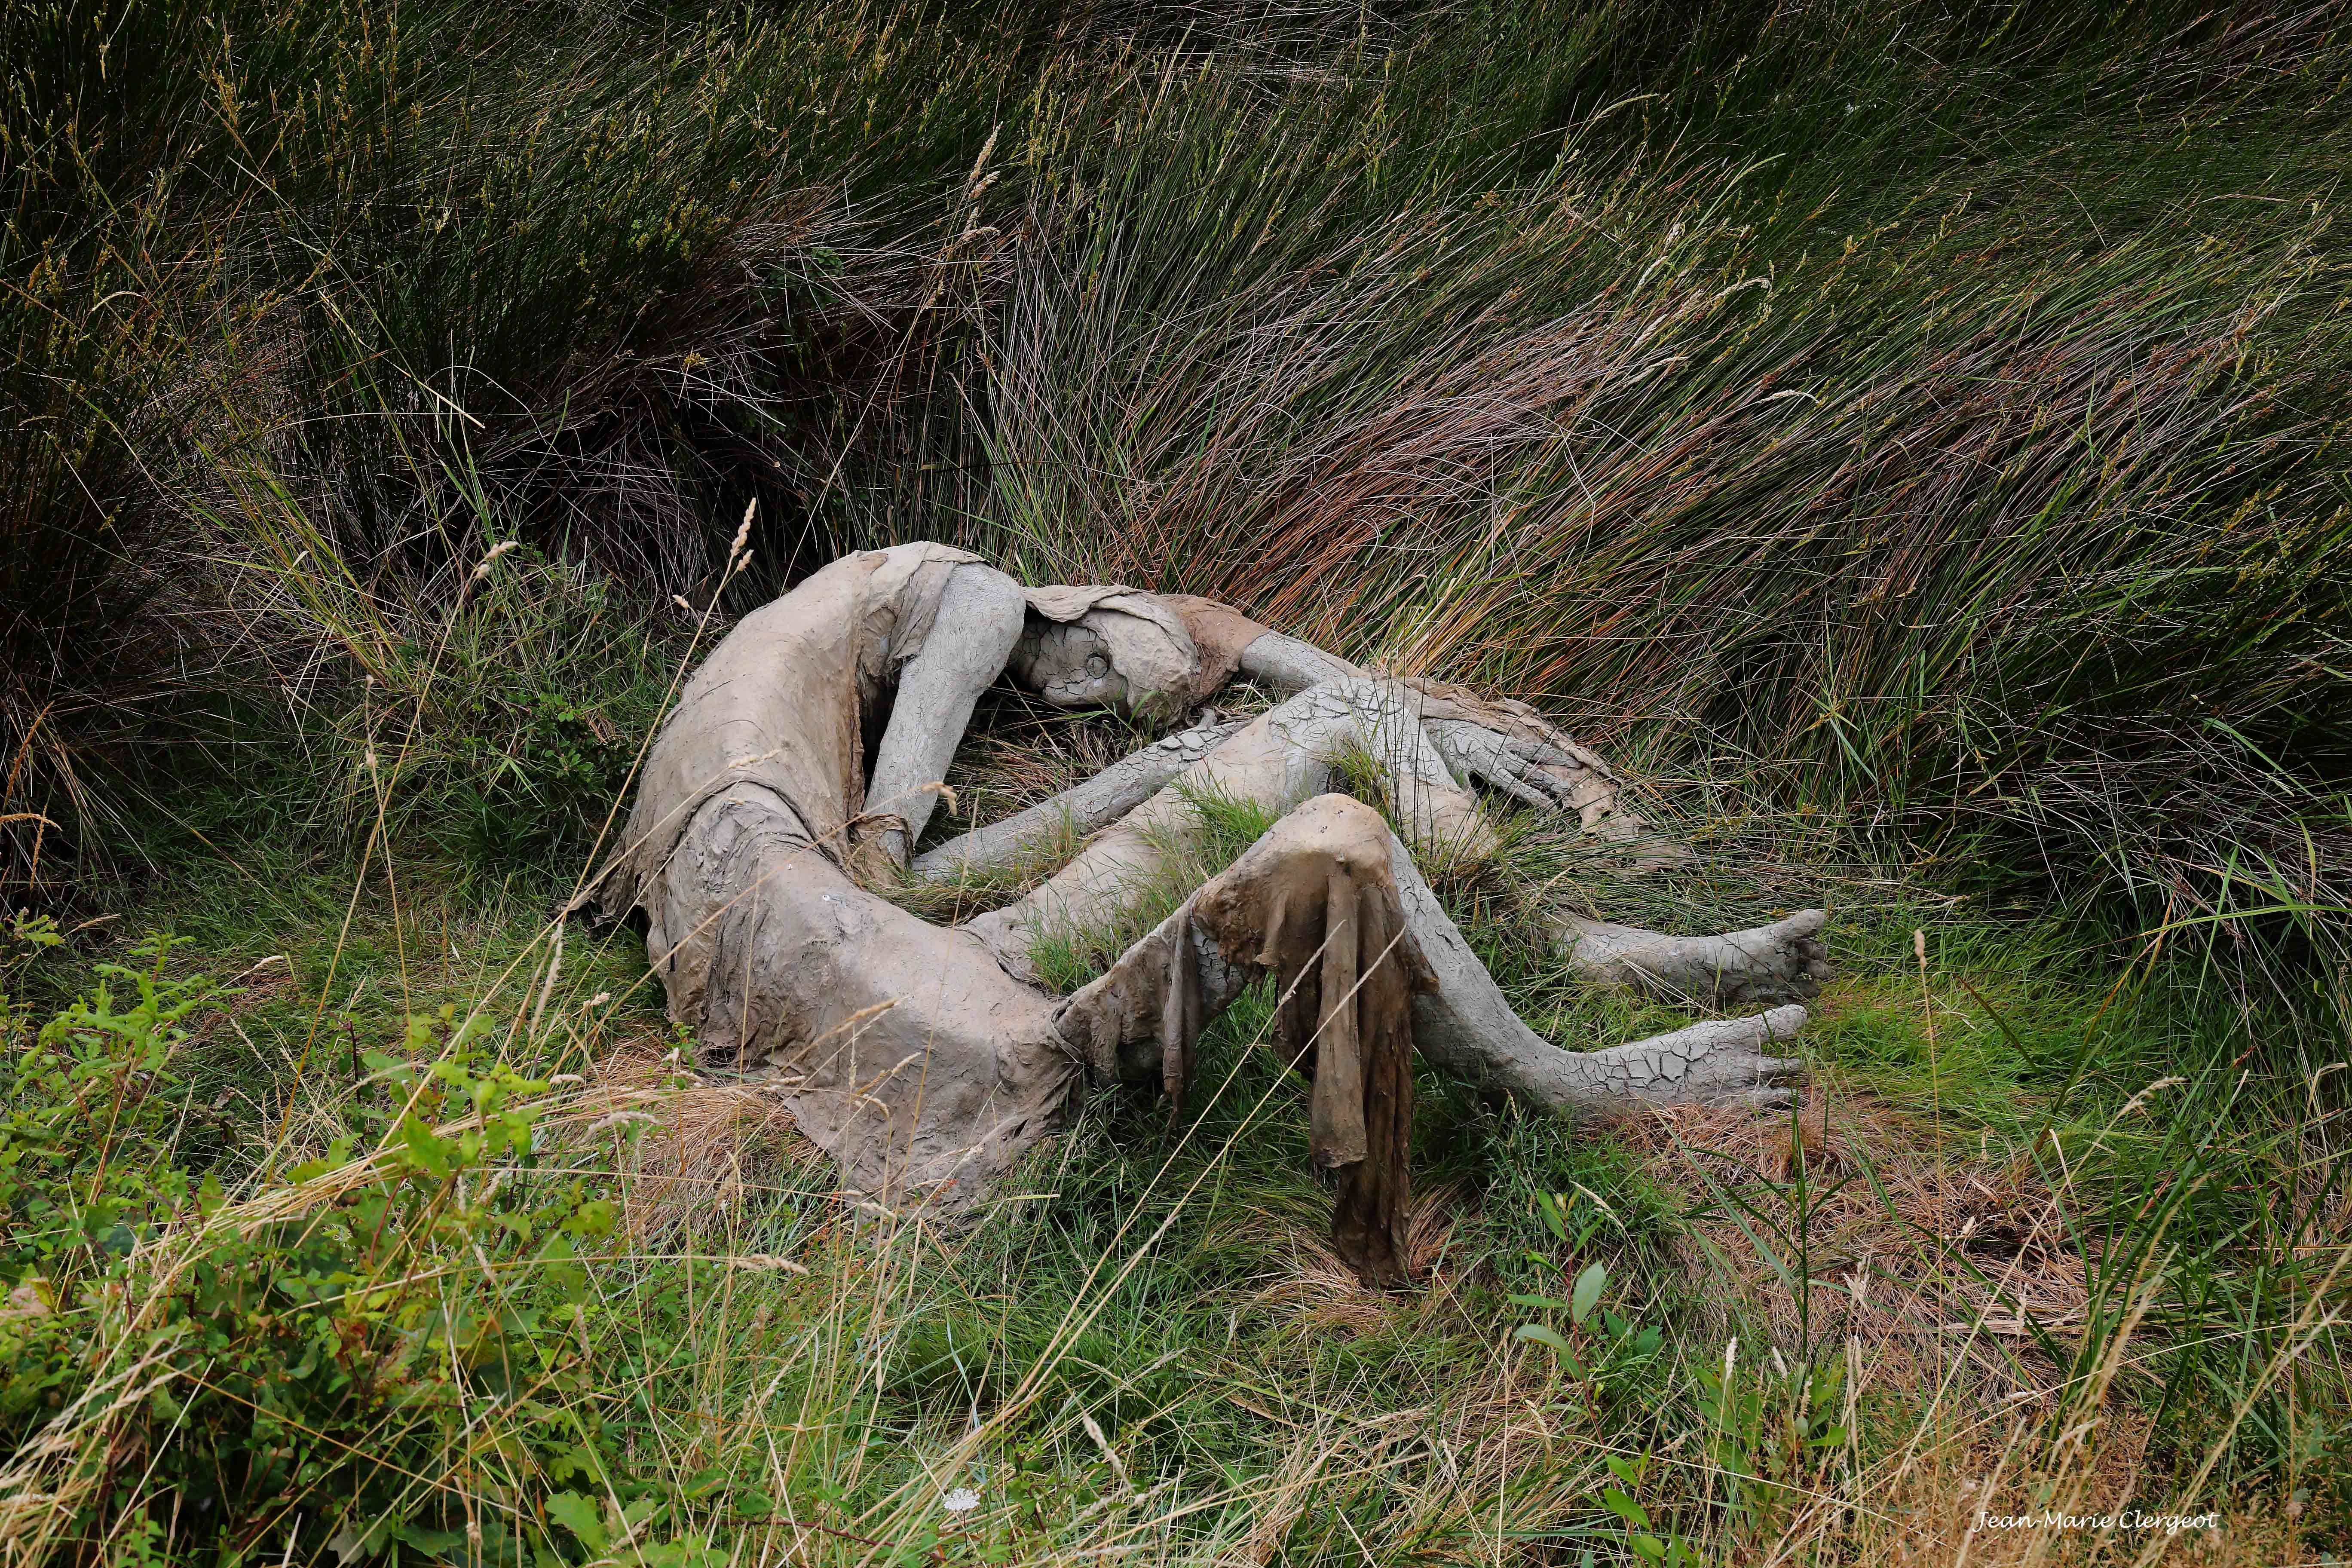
x=1942 y=411
x=311 y=302
x=1966 y=440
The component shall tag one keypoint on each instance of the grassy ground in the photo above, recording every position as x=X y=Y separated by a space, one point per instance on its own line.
x=1911 y=436
x=2033 y=1231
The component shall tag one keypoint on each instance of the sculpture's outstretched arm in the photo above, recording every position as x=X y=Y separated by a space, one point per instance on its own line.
x=1273 y=763
x=1075 y=812
x=980 y=618
x=1289 y=665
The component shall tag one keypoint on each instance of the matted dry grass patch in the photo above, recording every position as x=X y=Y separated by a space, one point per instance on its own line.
x=1919 y=1254
x=709 y=1148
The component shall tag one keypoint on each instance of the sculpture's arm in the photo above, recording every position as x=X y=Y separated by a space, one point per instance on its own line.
x=1289 y=665
x=1100 y=801
x=1071 y=666
x=980 y=618
x=1079 y=664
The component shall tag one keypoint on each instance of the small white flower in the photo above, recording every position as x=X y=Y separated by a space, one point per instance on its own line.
x=962 y=1500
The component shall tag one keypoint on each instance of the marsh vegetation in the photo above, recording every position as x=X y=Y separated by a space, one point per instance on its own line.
x=1910 y=440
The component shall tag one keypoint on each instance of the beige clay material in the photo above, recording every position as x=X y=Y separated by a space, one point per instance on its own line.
x=926 y=1061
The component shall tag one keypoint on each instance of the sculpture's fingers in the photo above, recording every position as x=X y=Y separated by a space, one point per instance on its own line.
x=1763 y=1100
x=1517 y=788
x=1541 y=751
x=1563 y=789
x=1780 y=1070
x=1525 y=780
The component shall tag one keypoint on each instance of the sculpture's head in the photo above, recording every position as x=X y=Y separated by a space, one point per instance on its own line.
x=1069 y=664
x=1107 y=647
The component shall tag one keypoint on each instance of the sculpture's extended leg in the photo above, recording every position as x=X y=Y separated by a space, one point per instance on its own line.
x=1312 y=905
x=1465 y=1024
x=1777 y=962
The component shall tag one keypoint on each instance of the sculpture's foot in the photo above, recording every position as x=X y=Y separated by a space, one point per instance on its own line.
x=1468 y=1026
x=1777 y=962
x=1723 y=1061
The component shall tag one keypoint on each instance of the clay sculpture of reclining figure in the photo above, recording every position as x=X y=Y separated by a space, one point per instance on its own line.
x=804 y=759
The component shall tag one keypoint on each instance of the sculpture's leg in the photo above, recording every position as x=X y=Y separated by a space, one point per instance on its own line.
x=1468 y=1025
x=1101 y=800
x=1465 y=1024
x=1277 y=761
x=1777 y=962
x=980 y=618
x=1312 y=904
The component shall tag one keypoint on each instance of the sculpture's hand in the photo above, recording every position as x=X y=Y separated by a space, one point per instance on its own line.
x=1520 y=768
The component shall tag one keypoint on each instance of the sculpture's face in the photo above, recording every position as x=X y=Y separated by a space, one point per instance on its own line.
x=1070 y=664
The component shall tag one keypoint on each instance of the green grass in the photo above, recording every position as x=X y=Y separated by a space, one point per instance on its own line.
x=1910 y=438
x=1168 y=1281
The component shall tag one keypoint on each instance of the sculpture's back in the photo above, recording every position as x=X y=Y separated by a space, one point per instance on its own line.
x=899 y=1047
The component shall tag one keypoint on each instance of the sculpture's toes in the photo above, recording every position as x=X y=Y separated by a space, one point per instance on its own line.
x=1720 y=1062
x=1751 y=1079
x=1784 y=961
x=1808 y=955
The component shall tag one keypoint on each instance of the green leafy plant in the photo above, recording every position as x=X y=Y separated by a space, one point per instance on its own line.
x=1641 y=1537
x=1609 y=1355
x=84 y=1103
x=1771 y=1432
x=410 y=1299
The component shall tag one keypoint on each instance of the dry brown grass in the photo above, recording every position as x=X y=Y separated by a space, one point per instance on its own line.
x=1318 y=1294
x=1917 y=1253
x=1933 y=1509
x=707 y=1148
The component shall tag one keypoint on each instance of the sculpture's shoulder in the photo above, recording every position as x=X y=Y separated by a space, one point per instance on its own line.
x=850 y=592
x=862 y=579
x=916 y=551
x=906 y=580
